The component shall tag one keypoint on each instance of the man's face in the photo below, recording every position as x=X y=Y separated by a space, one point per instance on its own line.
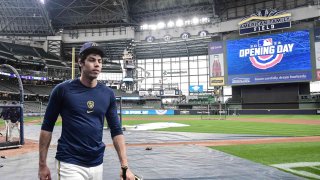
x=91 y=67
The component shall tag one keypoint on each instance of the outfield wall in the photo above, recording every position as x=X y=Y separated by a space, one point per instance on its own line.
x=227 y=111
x=280 y=111
x=252 y=111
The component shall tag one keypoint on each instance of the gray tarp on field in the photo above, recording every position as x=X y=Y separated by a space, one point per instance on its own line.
x=166 y=162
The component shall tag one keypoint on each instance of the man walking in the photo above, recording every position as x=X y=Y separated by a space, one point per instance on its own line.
x=83 y=103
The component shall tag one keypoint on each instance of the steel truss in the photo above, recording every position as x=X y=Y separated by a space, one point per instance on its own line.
x=24 y=17
x=71 y=14
x=139 y=13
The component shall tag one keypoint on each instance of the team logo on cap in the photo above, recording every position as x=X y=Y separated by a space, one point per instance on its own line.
x=266 y=53
x=94 y=44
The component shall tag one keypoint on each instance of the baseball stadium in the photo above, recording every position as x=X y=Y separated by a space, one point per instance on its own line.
x=203 y=89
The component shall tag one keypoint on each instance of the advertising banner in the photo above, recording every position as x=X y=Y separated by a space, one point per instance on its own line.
x=196 y=88
x=150 y=112
x=317 y=52
x=216 y=63
x=272 y=58
x=11 y=75
x=216 y=81
x=317 y=34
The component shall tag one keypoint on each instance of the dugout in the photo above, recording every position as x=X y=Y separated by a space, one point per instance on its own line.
x=270 y=96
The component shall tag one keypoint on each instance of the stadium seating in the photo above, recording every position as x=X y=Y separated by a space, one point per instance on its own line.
x=121 y=93
x=18 y=49
x=30 y=106
x=42 y=90
x=3 y=48
x=54 y=63
x=45 y=54
x=7 y=55
x=9 y=51
x=9 y=86
x=34 y=107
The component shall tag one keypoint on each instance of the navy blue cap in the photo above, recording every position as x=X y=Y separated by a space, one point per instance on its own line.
x=91 y=47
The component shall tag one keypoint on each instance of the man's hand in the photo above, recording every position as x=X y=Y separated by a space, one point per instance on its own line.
x=44 y=173
x=129 y=175
x=44 y=142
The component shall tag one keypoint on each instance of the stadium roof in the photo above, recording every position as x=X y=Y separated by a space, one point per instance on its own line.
x=102 y=13
x=44 y=17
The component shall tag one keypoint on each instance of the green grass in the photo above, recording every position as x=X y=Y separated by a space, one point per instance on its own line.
x=222 y=126
x=238 y=127
x=308 y=169
x=25 y=119
x=198 y=117
x=276 y=153
x=58 y=122
x=292 y=117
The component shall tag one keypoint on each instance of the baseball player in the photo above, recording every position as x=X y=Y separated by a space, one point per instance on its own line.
x=82 y=103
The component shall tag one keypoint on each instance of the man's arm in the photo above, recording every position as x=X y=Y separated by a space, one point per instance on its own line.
x=44 y=142
x=116 y=130
x=117 y=137
x=119 y=145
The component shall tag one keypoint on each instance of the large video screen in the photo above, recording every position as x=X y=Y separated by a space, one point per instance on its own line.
x=270 y=58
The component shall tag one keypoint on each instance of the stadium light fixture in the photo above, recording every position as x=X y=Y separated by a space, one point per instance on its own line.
x=195 y=21
x=161 y=25
x=170 y=24
x=144 y=27
x=204 y=20
x=187 y=22
x=179 y=23
x=152 y=26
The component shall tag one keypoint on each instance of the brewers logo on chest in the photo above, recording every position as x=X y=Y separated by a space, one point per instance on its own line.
x=266 y=53
x=90 y=105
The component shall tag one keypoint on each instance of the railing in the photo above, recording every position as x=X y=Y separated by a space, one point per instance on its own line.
x=309 y=98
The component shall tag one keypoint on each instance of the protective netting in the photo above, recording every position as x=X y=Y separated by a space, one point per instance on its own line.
x=213 y=113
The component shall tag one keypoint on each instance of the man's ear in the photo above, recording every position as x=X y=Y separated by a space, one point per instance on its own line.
x=80 y=63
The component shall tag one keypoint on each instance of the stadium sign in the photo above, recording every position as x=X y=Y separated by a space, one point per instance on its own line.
x=168 y=73
x=185 y=36
x=203 y=33
x=150 y=39
x=167 y=38
x=196 y=88
x=266 y=53
x=265 y=20
x=283 y=57
x=169 y=92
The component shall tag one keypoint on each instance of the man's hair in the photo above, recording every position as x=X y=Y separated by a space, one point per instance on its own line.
x=82 y=58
